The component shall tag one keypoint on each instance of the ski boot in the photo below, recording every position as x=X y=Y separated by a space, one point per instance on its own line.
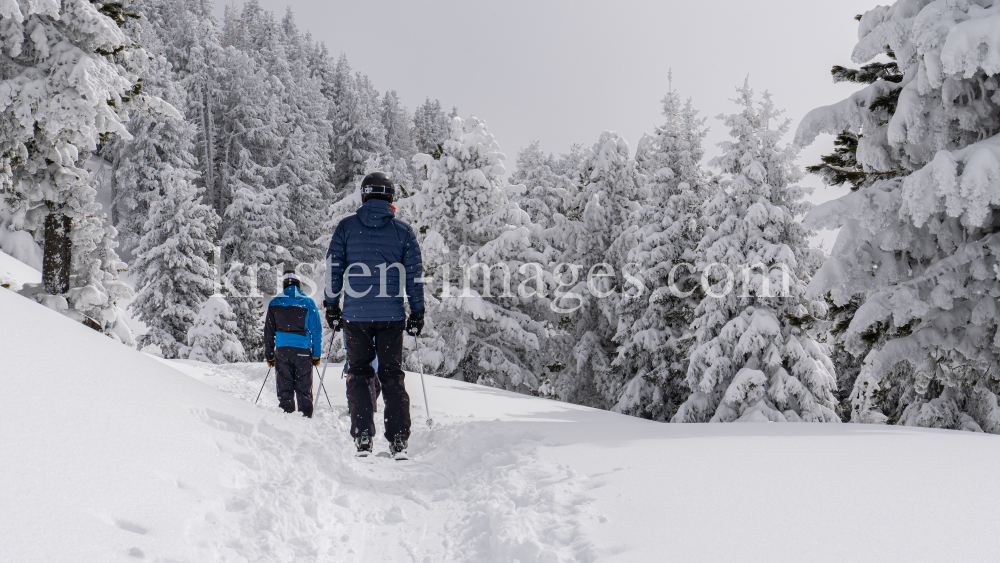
x=398 y=448
x=364 y=444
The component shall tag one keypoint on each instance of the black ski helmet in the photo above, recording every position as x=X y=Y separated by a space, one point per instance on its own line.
x=377 y=186
x=290 y=278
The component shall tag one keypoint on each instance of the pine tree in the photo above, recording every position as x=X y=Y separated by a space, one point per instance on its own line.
x=358 y=133
x=398 y=124
x=431 y=126
x=70 y=71
x=165 y=229
x=548 y=189
x=547 y=192
x=174 y=274
x=136 y=163
x=751 y=361
x=847 y=350
x=914 y=250
x=190 y=41
x=465 y=219
x=302 y=161
x=212 y=336
x=842 y=165
x=598 y=210
x=254 y=227
x=648 y=372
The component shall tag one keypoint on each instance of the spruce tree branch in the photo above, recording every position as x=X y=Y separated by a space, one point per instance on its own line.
x=4 y=58
x=849 y=172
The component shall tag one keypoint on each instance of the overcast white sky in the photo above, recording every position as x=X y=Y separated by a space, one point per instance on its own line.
x=562 y=71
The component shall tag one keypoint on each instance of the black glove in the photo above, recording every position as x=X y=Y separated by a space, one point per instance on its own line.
x=270 y=362
x=415 y=324
x=333 y=315
x=316 y=362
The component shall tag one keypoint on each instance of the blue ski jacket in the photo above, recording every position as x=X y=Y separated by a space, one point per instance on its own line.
x=292 y=322
x=370 y=252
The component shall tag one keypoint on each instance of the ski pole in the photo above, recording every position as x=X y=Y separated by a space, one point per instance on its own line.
x=343 y=372
x=324 y=392
x=427 y=408
x=322 y=375
x=262 y=385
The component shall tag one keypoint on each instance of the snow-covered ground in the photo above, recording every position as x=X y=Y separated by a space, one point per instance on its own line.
x=14 y=273
x=112 y=455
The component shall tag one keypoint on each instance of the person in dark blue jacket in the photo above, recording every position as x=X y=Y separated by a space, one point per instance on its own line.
x=374 y=260
x=293 y=340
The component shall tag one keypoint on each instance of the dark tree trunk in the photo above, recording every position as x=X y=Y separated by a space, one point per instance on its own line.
x=58 y=255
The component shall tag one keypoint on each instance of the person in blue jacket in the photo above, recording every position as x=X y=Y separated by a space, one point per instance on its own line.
x=374 y=261
x=293 y=339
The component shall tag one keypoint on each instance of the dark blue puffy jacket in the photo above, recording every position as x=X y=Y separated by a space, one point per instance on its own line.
x=374 y=241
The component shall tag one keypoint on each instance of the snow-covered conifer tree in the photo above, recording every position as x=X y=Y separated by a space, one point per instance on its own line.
x=596 y=215
x=251 y=244
x=750 y=360
x=466 y=221
x=547 y=192
x=70 y=75
x=917 y=249
x=398 y=125
x=158 y=140
x=358 y=132
x=431 y=126
x=843 y=167
x=212 y=337
x=302 y=160
x=648 y=372
x=611 y=191
x=254 y=227
x=168 y=231
x=188 y=32
x=173 y=261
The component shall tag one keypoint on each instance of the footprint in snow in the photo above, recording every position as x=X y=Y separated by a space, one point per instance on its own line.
x=226 y=422
x=394 y=515
x=131 y=527
x=237 y=504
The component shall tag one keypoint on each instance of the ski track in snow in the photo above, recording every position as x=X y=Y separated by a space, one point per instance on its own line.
x=129 y=459
x=471 y=492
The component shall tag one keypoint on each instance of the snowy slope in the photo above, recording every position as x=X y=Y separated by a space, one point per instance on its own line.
x=16 y=273
x=111 y=455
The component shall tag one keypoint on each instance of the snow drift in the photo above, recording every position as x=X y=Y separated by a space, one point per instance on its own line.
x=112 y=455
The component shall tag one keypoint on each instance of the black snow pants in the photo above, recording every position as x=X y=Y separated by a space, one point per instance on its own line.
x=293 y=373
x=365 y=341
